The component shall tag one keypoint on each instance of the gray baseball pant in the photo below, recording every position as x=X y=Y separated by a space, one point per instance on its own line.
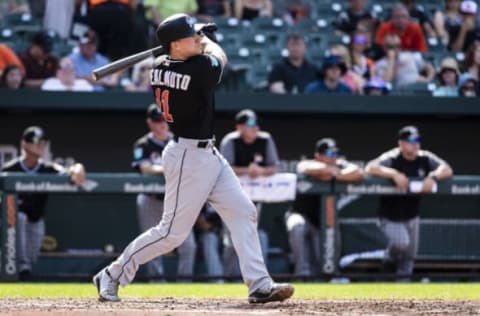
x=304 y=241
x=210 y=245
x=402 y=242
x=149 y=211
x=30 y=237
x=194 y=176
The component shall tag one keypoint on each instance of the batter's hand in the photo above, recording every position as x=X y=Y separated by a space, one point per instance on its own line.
x=208 y=30
x=401 y=181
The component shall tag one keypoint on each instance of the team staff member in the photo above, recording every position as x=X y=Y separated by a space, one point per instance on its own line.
x=147 y=159
x=399 y=215
x=184 y=84
x=303 y=222
x=250 y=152
x=31 y=207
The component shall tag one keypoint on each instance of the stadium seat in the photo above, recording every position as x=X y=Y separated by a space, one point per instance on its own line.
x=21 y=22
x=12 y=40
x=257 y=77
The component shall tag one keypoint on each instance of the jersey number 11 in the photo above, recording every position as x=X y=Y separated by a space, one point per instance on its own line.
x=162 y=102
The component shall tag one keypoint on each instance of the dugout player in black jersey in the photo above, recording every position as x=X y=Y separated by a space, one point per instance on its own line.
x=303 y=221
x=399 y=215
x=183 y=83
x=31 y=206
x=251 y=152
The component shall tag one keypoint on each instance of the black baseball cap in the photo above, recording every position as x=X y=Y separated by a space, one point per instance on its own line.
x=326 y=144
x=34 y=135
x=408 y=132
x=175 y=27
x=247 y=117
x=153 y=113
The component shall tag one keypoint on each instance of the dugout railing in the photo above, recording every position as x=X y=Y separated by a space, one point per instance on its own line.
x=454 y=239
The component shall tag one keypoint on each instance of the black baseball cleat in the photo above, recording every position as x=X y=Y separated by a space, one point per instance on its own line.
x=278 y=293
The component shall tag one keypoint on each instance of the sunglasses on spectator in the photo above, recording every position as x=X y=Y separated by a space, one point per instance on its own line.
x=331 y=153
x=391 y=46
x=413 y=140
x=358 y=39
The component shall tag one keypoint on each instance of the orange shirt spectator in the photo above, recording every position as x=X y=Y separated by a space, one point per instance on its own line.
x=410 y=33
x=8 y=57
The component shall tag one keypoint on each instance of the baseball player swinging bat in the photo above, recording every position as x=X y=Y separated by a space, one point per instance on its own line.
x=127 y=62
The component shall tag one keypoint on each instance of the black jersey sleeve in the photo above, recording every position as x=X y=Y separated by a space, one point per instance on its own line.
x=207 y=67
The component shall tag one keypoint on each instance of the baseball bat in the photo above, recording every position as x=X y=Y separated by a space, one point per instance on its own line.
x=124 y=63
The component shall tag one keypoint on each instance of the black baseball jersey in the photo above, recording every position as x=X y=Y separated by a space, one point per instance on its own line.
x=184 y=91
x=240 y=154
x=401 y=208
x=32 y=204
x=309 y=205
x=149 y=149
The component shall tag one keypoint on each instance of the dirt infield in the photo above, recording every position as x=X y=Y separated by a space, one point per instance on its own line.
x=180 y=307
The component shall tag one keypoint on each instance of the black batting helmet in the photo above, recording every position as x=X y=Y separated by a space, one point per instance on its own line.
x=175 y=27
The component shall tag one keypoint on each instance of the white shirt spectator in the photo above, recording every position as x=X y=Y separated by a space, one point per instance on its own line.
x=54 y=84
x=407 y=68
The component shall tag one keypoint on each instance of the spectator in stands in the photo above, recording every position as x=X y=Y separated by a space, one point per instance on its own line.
x=207 y=9
x=448 y=78
x=373 y=50
x=86 y=59
x=65 y=79
x=160 y=9
x=462 y=36
x=353 y=80
x=468 y=86
x=39 y=63
x=399 y=214
x=8 y=57
x=361 y=64
x=112 y=20
x=58 y=16
x=293 y=11
x=252 y=153
x=471 y=63
x=410 y=33
x=357 y=12
x=402 y=68
x=376 y=86
x=302 y=221
x=12 y=78
x=31 y=207
x=251 y=9
x=447 y=20
x=329 y=80
x=293 y=72
x=418 y=15
x=209 y=229
x=140 y=80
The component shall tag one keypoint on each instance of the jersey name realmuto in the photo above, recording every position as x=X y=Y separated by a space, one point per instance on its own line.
x=184 y=92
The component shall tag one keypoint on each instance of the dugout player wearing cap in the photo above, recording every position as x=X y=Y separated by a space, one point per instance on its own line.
x=303 y=221
x=31 y=207
x=184 y=84
x=250 y=152
x=147 y=159
x=399 y=215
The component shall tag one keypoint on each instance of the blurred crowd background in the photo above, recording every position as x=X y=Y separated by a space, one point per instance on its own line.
x=423 y=47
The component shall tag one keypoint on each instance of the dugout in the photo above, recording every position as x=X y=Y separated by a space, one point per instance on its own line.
x=99 y=129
